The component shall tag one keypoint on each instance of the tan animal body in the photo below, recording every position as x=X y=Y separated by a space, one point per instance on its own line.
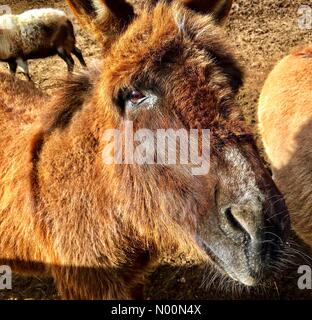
x=98 y=228
x=36 y=34
x=285 y=122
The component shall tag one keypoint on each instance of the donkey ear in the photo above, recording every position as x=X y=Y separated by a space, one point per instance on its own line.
x=103 y=17
x=220 y=9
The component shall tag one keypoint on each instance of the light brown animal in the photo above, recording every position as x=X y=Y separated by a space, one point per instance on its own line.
x=285 y=122
x=35 y=34
x=98 y=229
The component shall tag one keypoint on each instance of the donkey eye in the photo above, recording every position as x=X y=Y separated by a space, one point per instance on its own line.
x=135 y=97
x=131 y=100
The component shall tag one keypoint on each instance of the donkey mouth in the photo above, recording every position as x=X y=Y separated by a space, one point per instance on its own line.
x=242 y=272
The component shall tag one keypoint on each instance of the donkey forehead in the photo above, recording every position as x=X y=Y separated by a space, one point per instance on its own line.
x=158 y=35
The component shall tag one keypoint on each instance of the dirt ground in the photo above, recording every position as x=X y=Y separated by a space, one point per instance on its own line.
x=263 y=31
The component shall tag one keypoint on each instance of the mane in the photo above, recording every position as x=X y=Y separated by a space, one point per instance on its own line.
x=71 y=95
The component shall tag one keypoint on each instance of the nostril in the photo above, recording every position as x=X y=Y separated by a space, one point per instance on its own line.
x=232 y=220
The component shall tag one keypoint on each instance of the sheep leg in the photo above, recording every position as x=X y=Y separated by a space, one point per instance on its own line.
x=67 y=58
x=77 y=52
x=23 y=65
x=13 y=67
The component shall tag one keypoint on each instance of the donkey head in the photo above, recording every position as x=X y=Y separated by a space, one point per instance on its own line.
x=169 y=67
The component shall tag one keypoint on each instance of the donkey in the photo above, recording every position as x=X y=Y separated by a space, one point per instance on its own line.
x=100 y=228
x=285 y=123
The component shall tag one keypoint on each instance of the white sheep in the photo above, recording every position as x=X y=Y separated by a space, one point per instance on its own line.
x=35 y=34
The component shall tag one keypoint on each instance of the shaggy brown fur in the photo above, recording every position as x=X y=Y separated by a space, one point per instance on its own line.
x=285 y=120
x=107 y=23
x=97 y=228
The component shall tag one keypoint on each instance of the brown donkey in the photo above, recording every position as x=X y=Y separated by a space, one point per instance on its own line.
x=98 y=228
x=285 y=120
